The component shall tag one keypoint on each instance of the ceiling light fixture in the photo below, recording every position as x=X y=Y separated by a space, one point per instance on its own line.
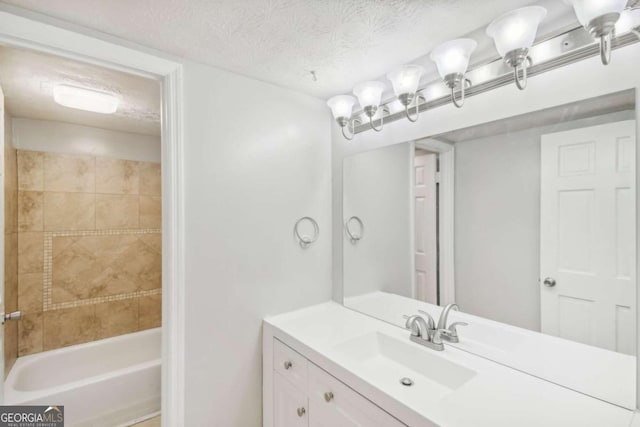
x=342 y=107
x=514 y=34
x=452 y=59
x=599 y=18
x=405 y=81
x=85 y=99
x=369 y=95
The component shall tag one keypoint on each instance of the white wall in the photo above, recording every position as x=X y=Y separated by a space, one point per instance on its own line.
x=377 y=189
x=497 y=222
x=257 y=158
x=59 y=137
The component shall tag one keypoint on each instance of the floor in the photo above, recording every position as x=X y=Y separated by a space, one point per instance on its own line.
x=151 y=422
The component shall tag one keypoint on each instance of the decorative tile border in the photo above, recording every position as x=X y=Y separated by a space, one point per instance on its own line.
x=47 y=302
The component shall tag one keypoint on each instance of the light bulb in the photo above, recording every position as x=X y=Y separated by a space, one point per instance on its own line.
x=405 y=81
x=453 y=57
x=629 y=19
x=588 y=10
x=369 y=95
x=341 y=107
x=516 y=30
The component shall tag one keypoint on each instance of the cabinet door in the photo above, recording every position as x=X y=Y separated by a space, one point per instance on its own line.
x=290 y=407
x=333 y=404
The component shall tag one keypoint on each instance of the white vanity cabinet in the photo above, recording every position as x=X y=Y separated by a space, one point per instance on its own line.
x=305 y=395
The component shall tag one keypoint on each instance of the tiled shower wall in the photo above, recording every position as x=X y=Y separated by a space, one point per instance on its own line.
x=89 y=248
x=10 y=246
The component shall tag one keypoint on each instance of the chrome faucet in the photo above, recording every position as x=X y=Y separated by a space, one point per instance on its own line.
x=424 y=332
x=449 y=333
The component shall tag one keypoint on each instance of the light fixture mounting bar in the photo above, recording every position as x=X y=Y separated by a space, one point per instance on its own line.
x=567 y=48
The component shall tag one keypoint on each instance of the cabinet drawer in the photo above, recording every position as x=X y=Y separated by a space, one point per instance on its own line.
x=291 y=364
x=290 y=407
x=333 y=403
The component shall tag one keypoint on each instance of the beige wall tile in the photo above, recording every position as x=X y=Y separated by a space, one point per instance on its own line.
x=10 y=190
x=10 y=211
x=10 y=167
x=30 y=333
x=116 y=212
x=90 y=266
x=154 y=241
x=141 y=265
x=150 y=311
x=30 y=210
x=69 y=173
x=11 y=271
x=30 y=170
x=69 y=211
x=150 y=212
x=69 y=326
x=116 y=318
x=115 y=176
x=30 y=252
x=30 y=289
x=10 y=345
x=150 y=179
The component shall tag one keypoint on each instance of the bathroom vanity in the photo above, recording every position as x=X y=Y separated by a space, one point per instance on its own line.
x=327 y=366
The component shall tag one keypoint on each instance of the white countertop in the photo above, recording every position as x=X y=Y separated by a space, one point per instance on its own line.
x=494 y=396
x=600 y=373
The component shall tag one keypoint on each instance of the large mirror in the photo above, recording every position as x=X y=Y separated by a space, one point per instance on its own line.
x=528 y=224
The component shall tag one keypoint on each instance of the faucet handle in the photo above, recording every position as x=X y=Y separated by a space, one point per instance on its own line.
x=430 y=322
x=452 y=327
x=451 y=334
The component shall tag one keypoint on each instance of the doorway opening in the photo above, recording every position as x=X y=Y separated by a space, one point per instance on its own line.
x=83 y=237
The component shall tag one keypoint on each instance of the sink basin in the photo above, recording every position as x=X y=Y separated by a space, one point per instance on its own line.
x=384 y=360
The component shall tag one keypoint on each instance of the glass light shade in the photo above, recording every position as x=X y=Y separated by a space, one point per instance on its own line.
x=369 y=93
x=629 y=19
x=85 y=99
x=341 y=106
x=405 y=80
x=588 y=10
x=452 y=57
x=516 y=29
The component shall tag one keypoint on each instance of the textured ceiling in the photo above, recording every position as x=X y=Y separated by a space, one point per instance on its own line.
x=281 y=41
x=27 y=79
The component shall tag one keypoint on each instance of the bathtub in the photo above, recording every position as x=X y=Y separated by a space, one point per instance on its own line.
x=102 y=383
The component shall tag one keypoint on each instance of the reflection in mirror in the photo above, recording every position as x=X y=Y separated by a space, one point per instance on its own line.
x=528 y=224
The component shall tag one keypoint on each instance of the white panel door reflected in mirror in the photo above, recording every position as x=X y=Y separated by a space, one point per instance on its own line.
x=527 y=223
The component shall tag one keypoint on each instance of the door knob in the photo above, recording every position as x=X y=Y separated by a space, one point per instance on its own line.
x=288 y=365
x=549 y=282
x=328 y=396
x=301 y=412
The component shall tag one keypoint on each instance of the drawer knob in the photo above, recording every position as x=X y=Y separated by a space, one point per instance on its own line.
x=301 y=412
x=288 y=365
x=328 y=396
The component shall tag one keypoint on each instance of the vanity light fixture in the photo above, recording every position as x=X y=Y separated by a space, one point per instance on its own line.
x=405 y=81
x=342 y=107
x=599 y=18
x=369 y=95
x=514 y=34
x=452 y=60
x=85 y=99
